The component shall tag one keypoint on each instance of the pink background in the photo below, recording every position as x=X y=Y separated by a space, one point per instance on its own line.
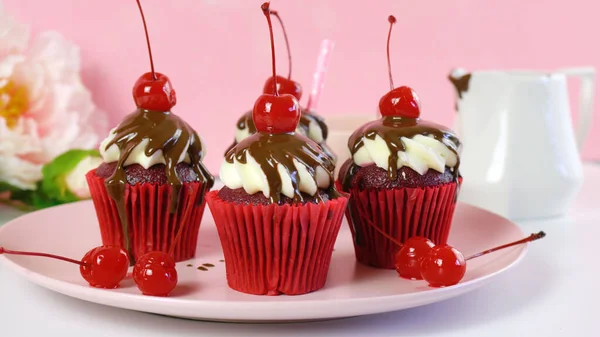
x=216 y=52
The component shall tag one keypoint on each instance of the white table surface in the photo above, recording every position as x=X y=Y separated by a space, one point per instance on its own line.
x=553 y=292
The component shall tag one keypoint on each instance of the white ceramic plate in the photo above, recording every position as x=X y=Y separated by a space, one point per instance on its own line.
x=351 y=289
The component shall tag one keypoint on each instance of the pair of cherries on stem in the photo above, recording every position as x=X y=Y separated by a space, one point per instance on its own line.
x=105 y=267
x=442 y=265
x=273 y=112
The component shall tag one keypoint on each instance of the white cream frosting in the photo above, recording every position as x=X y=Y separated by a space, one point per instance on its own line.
x=138 y=155
x=422 y=153
x=315 y=132
x=252 y=179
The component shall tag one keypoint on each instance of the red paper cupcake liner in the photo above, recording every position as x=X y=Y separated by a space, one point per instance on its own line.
x=152 y=226
x=277 y=249
x=400 y=213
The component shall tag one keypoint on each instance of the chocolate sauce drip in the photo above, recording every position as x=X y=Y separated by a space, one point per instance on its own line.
x=271 y=150
x=461 y=84
x=305 y=119
x=164 y=132
x=391 y=129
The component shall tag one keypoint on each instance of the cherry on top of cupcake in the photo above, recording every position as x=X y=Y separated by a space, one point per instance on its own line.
x=275 y=113
x=276 y=148
x=402 y=101
x=283 y=85
x=153 y=91
x=401 y=138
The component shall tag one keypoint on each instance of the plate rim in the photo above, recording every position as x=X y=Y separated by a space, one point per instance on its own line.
x=134 y=301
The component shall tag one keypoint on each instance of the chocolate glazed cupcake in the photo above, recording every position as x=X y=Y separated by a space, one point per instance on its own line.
x=279 y=214
x=403 y=178
x=149 y=192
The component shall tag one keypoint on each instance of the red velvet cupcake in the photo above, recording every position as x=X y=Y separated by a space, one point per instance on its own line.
x=149 y=192
x=403 y=179
x=279 y=214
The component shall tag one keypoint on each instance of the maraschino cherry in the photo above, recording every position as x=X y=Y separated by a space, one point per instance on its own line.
x=441 y=266
x=402 y=101
x=275 y=113
x=409 y=256
x=445 y=266
x=153 y=91
x=407 y=259
x=154 y=274
x=102 y=267
x=281 y=84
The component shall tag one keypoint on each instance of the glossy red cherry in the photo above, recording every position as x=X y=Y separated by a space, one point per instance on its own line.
x=409 y=256
x=105 y=266
x=284 y=86
x=154 y=94
x=276 y=114
x=153 y=91
x=443 y=266
x=102 y=267
x=400 y=102
x=154 y=274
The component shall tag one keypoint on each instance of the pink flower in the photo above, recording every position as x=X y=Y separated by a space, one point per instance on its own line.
x=45 y=109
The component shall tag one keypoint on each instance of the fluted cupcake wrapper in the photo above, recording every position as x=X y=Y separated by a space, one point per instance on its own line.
x=401 y=213
x=277 y=249
x=152 y=227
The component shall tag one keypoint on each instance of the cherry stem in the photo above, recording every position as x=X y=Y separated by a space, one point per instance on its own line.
x=147 y=41
x=392 y=20
x=389 y=237
x=287 y=43
x=62 y=258
x=532 y=237
x=177 y=238
x=267 y=13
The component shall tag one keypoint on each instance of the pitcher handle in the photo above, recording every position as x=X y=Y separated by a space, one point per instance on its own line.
x=587 y=76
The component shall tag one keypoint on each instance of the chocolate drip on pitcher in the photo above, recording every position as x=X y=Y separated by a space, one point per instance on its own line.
x=165 y=132
x=461 y=83
x=271 y=150
x=391 y=129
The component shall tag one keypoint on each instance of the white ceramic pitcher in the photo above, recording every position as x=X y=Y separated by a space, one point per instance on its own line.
x=520 y=155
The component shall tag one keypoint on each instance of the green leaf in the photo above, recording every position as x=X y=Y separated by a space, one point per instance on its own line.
x=18 y=197
x=53 y=186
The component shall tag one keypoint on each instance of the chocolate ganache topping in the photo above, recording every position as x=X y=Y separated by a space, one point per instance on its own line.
x=159 y=133
x=396 y=132
x=290 y=152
